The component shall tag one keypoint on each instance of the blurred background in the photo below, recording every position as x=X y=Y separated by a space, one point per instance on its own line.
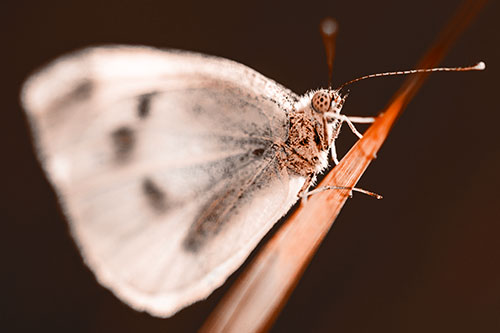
x=424 y=259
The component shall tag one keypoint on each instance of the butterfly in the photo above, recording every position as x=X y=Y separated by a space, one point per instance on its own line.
x=171 y=166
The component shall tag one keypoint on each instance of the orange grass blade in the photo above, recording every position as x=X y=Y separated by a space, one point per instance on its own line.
x=256 y=298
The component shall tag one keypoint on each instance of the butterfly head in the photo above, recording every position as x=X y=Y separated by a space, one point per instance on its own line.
x=326 y=105
x=327 y=101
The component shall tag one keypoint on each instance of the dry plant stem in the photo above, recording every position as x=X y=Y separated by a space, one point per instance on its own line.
x=257 y=297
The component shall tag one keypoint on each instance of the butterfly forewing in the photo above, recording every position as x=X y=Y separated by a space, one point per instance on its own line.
x=165 y=163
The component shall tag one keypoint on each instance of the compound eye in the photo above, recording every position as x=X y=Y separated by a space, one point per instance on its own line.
x=321 y=101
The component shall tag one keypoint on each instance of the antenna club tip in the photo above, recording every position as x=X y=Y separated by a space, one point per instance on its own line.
x=329 y=26
x=480 y=66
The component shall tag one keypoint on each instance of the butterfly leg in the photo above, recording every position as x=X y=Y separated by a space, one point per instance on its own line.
x=351 y=125
x=351 y=120
x=362 y=120
x=359 y=120
x=303 y=193
x=333 y=150
x=351 y=189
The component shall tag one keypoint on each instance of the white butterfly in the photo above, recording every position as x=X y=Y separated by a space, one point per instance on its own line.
x=171 y=166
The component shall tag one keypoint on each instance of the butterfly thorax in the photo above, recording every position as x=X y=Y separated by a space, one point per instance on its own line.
x=308 y=142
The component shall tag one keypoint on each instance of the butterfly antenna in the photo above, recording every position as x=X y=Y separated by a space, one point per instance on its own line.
x=477 y=67
x=328 y=29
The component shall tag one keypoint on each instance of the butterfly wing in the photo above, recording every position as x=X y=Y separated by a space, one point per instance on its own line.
x=166 y=164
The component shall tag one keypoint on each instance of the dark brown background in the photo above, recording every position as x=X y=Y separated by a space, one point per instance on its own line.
x=424 y=259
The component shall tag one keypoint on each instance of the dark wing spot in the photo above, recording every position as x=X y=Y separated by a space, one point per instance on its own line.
x=197 y=109
x=79 y=92
x=258 y=152
x=155 y=196
x=123 y=142
x=144 y=105
x=82 y=90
